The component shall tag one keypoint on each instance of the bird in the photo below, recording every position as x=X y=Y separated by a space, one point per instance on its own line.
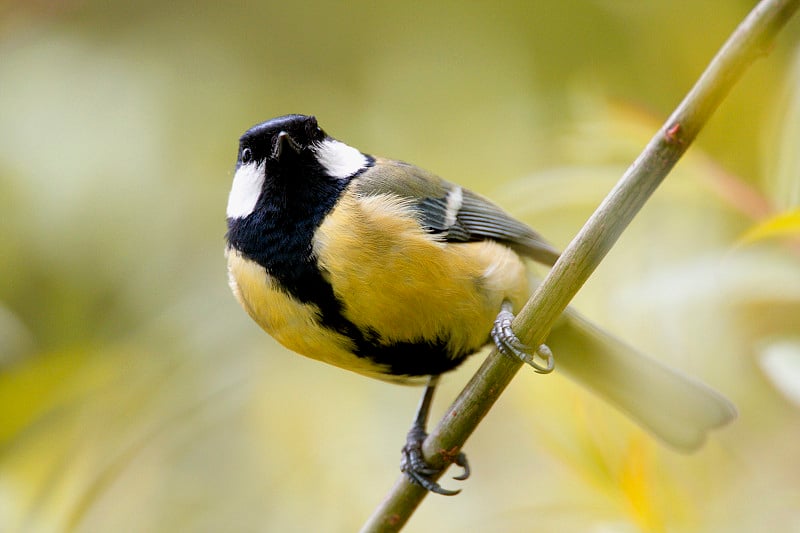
x=382 y=268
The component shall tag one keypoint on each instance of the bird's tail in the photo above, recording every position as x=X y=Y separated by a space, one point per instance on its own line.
x=675 y=407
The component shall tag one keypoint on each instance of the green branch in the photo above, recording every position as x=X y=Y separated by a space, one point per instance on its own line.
x=750 y=40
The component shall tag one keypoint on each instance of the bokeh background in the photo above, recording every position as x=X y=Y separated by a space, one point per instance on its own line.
x=135 y=395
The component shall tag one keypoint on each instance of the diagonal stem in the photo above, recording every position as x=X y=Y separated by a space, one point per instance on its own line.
x=750 y=40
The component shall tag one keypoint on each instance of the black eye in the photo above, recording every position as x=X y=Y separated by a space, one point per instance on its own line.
x=247 y=156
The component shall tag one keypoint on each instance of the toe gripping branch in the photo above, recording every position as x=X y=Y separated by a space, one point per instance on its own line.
x=412 y=461
x=508 y=343
x=419 y=471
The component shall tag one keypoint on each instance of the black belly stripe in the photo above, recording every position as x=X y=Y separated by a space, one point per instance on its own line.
x=412 y=358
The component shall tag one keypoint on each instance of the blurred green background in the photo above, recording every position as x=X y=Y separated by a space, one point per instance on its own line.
x=135 y=394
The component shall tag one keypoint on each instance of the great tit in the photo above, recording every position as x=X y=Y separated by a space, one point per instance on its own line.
x=380 y=267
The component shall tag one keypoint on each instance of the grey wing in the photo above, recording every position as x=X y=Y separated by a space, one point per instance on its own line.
x=455 y=213
x=481 y=218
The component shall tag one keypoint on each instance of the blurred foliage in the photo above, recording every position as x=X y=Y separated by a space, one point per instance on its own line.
x=782 y=225
x=135 y=395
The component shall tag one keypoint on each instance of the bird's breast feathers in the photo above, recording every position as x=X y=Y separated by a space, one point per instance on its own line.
x=296 y=325
x=396 y=282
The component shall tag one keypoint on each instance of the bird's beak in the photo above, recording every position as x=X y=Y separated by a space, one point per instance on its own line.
x=284 y=139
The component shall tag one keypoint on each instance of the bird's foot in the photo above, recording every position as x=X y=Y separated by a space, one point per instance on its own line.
x=508 y=344
x=419 y=471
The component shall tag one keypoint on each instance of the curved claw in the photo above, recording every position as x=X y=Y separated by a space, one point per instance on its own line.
x=545 y=353
x=430 y=485
x=461 y=460
x=413 y=464
x=509 y=344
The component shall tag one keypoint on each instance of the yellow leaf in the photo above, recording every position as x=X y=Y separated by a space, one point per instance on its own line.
x=781 y=225
x=636 y=482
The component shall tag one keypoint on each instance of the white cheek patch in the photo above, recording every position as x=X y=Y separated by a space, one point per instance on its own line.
x=338 y=159
x=247 y=184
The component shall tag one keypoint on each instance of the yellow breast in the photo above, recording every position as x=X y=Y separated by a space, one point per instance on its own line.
x=396 y=283
x=292 y=323
x=402 y=283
